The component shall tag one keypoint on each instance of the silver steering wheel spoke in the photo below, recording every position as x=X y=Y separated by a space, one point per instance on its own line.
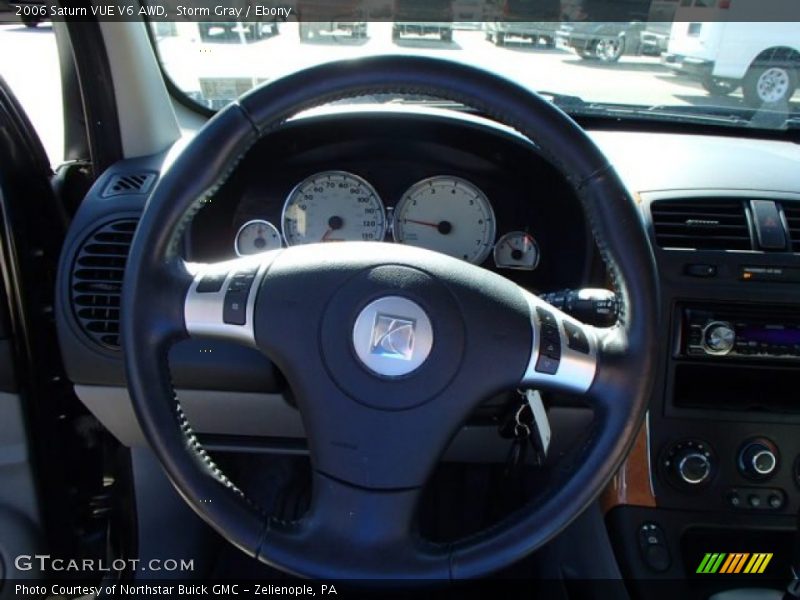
x=563 y=354
x=221 y=300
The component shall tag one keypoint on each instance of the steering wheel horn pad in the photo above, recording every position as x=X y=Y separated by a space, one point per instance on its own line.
x=374 y=440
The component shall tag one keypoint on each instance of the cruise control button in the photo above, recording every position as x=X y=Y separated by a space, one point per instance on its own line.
x=546 y=364
x=576 y=338
x=211 y=283
x=233 y=311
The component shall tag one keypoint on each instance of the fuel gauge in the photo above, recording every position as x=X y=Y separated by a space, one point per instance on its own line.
x=516 y=250
x=257 y=236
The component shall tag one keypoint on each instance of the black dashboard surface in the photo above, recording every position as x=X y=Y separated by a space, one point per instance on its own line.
x=393 y=152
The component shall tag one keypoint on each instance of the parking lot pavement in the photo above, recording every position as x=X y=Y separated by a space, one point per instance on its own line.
x=32 y=70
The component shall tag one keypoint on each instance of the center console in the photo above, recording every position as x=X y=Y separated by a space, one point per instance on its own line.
x=722 y=440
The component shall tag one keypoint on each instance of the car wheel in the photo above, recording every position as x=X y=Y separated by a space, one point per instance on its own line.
x=718 y=87
x=588 y=52
x=610 y=50
x=769 y=84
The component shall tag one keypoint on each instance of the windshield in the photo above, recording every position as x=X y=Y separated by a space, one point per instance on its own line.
x=693 y=61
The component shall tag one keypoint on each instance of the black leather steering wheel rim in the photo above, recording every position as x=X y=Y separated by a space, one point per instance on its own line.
x=157 y=282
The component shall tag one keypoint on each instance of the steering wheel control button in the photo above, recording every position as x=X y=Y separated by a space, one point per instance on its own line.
x=576 y=338
x=549 y=342
x=758 y=459
x=211 y=283
x=392 y=336
x=234 y=308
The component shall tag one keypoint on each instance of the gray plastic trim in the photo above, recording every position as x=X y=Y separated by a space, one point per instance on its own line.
x=256 y=414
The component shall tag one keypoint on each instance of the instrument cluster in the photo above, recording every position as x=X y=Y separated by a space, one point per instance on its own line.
x=443 y=213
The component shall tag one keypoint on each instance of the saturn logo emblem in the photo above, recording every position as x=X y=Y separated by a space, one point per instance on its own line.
x=392 y=336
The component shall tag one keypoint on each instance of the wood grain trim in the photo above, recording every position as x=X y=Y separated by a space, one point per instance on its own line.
x=631 y=484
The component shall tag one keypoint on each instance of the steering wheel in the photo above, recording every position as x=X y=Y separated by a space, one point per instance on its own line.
x=387 y=348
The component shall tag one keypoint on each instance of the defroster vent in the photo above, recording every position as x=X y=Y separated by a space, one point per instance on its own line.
x=96 y=285
x=703 y=223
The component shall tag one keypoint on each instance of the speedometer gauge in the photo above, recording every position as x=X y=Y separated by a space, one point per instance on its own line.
x=257 y=236
x=446 y=214
x=333 y=206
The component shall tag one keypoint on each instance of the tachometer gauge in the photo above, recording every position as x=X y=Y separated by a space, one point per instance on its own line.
x=257 y=236
x=446 y=214
x=516 y=250
x=333 y=206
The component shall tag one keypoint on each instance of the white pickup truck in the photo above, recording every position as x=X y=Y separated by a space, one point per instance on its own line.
x=711 y=42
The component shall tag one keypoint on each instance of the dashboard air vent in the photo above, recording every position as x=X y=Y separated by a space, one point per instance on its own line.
x=704 y=224
x=130 y=183
x=792 y=212
x=96 y=284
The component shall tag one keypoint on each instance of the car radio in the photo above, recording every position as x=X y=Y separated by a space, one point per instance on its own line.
x=746 y=332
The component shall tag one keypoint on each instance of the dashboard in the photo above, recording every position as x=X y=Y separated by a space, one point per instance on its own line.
x=711 y=204
x=482 y=195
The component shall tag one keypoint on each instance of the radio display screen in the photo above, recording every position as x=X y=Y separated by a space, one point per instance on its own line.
x=766 y=334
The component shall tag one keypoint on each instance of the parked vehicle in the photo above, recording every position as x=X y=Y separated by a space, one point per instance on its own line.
x=533 y=20
x=655 y=37
x=654 y=40
x=233 y=31
x=725 y=55
x=606 y=42
x=31 y=13
x=423 y=17
x=468 y=14
x=320 y=17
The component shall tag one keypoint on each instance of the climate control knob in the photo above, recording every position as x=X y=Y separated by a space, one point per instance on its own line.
x=689 y=464
x=693 y=468
x=718 y=337
x=758 y=459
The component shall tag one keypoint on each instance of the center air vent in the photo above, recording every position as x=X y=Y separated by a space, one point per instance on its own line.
x=705 y=224
x=792 y=212
x=96 y=283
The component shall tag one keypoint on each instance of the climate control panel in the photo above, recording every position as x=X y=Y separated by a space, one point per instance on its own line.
x=747 y=474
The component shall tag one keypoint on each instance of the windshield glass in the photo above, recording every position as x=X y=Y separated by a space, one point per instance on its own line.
x=697 y=61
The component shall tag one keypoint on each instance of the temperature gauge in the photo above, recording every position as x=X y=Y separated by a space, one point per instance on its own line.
x=516 y=250
x=257 y=236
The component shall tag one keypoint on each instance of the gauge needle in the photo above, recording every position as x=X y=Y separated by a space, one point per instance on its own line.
x=421 y=223
x=334 y=223
x=443 y=227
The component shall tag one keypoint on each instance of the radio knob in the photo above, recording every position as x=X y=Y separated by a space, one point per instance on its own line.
x=693 y=467
x=718 y=337
x=758 y=459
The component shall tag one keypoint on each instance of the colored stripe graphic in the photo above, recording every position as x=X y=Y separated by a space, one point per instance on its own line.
x=728 y=562
x=703 y=563
x=711 y=562
x=740 y=564
x=736 y=562
x=733 y=561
